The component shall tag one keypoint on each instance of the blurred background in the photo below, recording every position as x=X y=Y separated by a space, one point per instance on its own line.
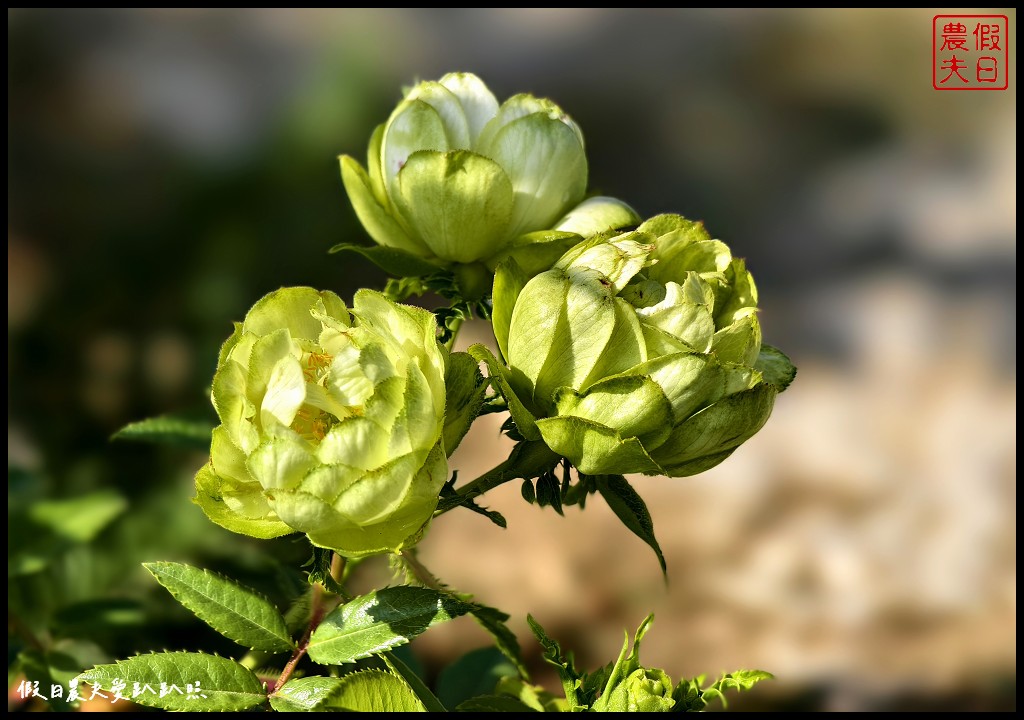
x=166 y=168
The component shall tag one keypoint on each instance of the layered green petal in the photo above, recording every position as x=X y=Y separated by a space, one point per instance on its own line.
x=597 y=214
x=212 y=496
x=331 y=422
x=712 y=433
x=478 y=103
x=544 y=160
x=634 y=406
x=595 y=449
x=459 y=202
x=376 y=219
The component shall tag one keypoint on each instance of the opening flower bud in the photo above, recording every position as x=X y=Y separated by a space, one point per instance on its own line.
x=638 y=353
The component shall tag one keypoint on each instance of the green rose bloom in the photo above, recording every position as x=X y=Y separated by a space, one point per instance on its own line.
x=331 y=422
x=637 y=353
x=452 y=177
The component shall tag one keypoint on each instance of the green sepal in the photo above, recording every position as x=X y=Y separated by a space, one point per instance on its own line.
x=525 y=420
x=375 y=218
x=391 y=260
x=775 y=367
x=631 y=509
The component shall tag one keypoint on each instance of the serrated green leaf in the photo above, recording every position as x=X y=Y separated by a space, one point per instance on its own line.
x=429 y=699
x=305 y=694
x=168 y=430
x=374 y=691
x=391 y=260
x=690 y=696
x=631 y=509
x=744 y=679
x=493 y=621
x=237 y=613
x=494 y=703
x=379 y=621
x=79 y=519
x=570 y=677
x=218 y=684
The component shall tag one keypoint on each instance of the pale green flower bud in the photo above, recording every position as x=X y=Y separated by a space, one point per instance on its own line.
x=454 y=177
x=637 y=353
x=630 y=687
x=331 y=422
x=643 y=690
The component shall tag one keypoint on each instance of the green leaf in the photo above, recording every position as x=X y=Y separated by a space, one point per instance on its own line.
x=168 y=430
x=690 y=696
x=374 y=691
x=738 y=681
x=549 y=492
x=92 y=618
x=235 y=612
x=464 y=395
x=79 y=519
x=305 y=694
x=493 y=621
x=389 y=259
x=494 y=703
x=776 y=368
x=475 y=673
x=631 y=509
x=451 y=499
x=38 y=667
x=570 y=677
x=429 y=700
x=218 y=684
x=379 y=621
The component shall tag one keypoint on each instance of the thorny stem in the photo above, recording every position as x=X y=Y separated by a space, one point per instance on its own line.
x=316 y=615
